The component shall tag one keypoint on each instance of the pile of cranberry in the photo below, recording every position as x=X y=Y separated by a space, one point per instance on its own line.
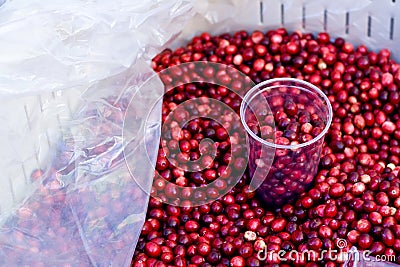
x=355 y=199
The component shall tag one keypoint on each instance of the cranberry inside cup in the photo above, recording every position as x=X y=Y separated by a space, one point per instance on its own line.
x=286 y=120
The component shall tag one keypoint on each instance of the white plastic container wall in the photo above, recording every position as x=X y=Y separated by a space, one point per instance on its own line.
x=34 y=117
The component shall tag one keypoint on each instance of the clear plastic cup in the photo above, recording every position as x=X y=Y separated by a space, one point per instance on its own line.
x=282 y=168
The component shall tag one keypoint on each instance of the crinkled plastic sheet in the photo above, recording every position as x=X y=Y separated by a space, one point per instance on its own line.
x=68 y=74
x=51 y=46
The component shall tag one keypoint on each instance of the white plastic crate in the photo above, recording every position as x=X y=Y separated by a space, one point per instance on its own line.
x=25 y=146
x=375 y=23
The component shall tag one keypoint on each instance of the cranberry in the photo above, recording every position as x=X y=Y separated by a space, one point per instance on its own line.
x=330 y=211
x=191 y=226
x=228 y=249
x=363 y=226
x=297 y=236
x=152 y=249
x=290 y=108
x=315 y=243
x=382 y=199
x=197 y=260
x=214 y=257
x=388 y=127
x=203 y=249
x=396 y=245
x=377 y=248
x=179 y=261
x=365 y=241
x=353 y=236
x=167 y=257
x=278 y=224
x=237 y=261
x=307 y=202
x=336 y=190
x=394 y=192
x=358 y=188
x=246 y=250
x=325 y=232
x=388 y=237
x=370 y=206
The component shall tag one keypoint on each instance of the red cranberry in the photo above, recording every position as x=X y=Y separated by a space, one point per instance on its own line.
x=363 y=226
x=290 y=108
x=191 y=226
x=336 y=190
x=297 y=236
x=382 y=199
x=353 y=236
x=377 y=248
x=325 y=232
x=237 y=261
x=315 y=243
x=152 y=249
x=307 y=202
x=278 y=224
x=364 y=241
x=330 y=211
x=388 y=127
x=388 y=237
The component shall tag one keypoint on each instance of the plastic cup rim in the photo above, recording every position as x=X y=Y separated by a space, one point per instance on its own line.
x=270 y=81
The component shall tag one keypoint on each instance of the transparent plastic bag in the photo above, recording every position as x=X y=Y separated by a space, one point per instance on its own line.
x=69 y=72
